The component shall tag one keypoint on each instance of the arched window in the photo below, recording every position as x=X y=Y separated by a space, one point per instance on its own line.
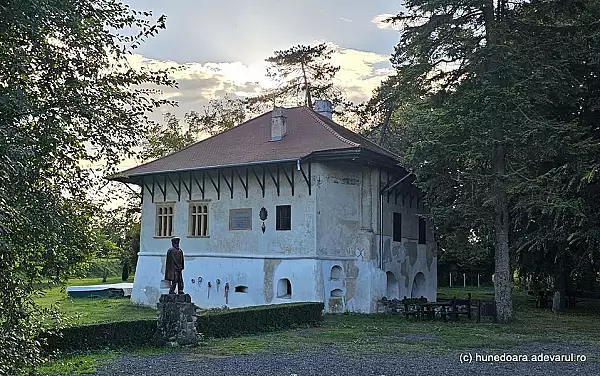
x=336 y=273
x=284 y=288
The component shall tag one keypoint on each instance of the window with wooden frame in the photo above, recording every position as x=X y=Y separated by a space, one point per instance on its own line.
x=198 y=219
x=422 y=231
x=283 y=217
x=397 y=234
x=164 y=220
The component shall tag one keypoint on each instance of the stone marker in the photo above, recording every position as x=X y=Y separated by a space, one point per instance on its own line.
x=177 y=320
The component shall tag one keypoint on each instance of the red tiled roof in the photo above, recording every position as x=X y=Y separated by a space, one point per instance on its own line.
x=307 y=132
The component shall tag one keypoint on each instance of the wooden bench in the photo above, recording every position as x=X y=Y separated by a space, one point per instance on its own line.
x=460 y=307
x=415 y=304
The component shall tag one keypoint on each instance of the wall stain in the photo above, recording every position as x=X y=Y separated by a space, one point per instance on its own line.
x=350 y=277
x=404 y=273
x=269 y=273
x=429 y=255
x=411 y=252
x=387 y=252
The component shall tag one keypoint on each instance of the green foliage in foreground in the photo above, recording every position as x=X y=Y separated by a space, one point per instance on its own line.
x=69 y=99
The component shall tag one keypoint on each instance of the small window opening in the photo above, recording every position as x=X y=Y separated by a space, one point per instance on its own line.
x=336 y=272
x=284 y=288
x=241 y=289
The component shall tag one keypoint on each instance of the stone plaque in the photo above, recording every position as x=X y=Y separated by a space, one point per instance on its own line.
x=240 y=219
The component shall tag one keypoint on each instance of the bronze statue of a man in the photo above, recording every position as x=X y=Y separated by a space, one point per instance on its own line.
x=174 y=266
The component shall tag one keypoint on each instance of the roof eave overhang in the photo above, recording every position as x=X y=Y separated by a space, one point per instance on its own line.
x=137 y=178
x=356 y=155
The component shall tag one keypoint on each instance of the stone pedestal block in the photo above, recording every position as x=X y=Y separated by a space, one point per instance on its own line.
x=177 y=320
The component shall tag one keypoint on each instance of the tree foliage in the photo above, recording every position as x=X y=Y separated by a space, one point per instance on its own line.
x=220 y=115
x=165 y=139
x=303 y=73
x=496 y=106
x=67 y=96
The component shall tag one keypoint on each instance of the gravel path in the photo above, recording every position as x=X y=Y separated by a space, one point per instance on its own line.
x=328 y=362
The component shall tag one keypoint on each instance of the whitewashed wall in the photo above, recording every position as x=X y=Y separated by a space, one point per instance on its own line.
x=338 y=225
x=219 y=249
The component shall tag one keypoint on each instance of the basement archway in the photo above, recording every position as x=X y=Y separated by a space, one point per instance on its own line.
x=419 y=287
x=392 y=286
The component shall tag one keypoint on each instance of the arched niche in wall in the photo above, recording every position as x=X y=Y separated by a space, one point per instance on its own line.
x=284 y=288
x=419 y=287
x=337 y=293
x=337 y=273
x=392 y=289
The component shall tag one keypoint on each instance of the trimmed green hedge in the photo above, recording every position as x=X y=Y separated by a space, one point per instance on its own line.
x=104 y=335
x=218 y=323
x=234 y=322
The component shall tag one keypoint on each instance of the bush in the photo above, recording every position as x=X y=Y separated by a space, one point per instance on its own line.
x=212 y=323
x=234 y=322
x=125 y=273
x=97 y=268
x=106 y=335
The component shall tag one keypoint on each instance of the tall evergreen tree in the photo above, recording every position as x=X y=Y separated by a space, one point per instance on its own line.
x=502 y=96
x=301 y=72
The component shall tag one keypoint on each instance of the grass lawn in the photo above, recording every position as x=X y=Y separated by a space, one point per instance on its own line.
x=388 y=335
x=379 y=335
x=92 y=310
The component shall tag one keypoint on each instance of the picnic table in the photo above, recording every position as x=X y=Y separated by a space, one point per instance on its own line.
x=449 y=307
x=430 y=308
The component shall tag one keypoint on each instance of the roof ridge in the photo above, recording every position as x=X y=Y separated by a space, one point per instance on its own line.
x=331 y=130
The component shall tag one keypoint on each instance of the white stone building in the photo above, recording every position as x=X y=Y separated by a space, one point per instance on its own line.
x=328 y=194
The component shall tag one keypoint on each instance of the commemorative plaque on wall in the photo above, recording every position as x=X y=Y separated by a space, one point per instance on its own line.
x=240 y=219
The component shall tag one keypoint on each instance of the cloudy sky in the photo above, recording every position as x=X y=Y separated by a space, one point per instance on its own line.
x=224 y=43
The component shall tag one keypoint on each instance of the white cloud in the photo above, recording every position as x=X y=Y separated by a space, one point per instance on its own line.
x=360 y=73
x=381 y=22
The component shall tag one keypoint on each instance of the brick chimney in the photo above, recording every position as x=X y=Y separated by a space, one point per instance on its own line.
x=278 y=126
x=323 y=107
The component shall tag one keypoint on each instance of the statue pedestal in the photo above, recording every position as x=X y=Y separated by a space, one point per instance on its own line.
x=177 y=320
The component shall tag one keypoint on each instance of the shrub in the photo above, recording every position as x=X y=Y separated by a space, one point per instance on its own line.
x=211 y=323
x=234 y=322
x=105 y=335
x=125 y=273
x=98 y=268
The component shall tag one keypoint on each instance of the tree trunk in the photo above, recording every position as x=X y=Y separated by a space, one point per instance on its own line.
x=306 y=87
x=558 y=300
x=502 y=280
x=384 y=126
